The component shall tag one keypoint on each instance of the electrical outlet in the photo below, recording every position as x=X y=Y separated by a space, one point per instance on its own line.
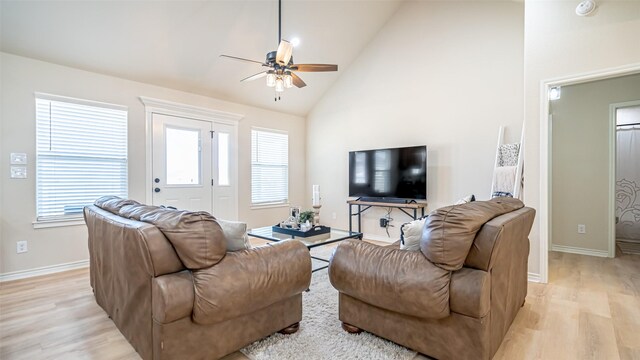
x=21 y=247
x=333 y=216
x=582 y=229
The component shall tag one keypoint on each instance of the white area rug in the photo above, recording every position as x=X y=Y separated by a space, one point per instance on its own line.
x=321 y=335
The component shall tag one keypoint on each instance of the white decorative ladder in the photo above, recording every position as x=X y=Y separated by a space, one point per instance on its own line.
x=519 y=174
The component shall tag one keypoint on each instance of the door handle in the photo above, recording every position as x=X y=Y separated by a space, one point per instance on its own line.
x=156 y=180
x=156 y=189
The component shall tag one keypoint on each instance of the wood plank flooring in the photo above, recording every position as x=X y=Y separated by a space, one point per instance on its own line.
x=589 y=310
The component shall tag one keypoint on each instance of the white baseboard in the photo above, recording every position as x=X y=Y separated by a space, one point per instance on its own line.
x=533 y=277
x=382 y=238
x=579 y=251
x=45 y=270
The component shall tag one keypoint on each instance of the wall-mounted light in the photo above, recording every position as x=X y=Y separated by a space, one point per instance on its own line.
x=554 y=93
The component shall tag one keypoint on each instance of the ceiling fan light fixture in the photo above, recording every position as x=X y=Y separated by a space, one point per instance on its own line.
x=279 y=85
x=284 y=52
x=271 y=79
x=288 y=80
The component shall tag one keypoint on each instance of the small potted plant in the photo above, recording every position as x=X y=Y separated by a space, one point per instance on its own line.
x=306 y=216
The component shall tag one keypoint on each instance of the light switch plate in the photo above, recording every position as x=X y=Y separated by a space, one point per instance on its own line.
x=18 y=158
x=18 y=172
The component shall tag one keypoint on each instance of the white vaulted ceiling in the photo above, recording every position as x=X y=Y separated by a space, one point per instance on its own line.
x=177 y=44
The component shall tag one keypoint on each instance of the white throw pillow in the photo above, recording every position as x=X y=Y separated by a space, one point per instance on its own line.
x=236 y=234
x=466 y=199
x=411 y=234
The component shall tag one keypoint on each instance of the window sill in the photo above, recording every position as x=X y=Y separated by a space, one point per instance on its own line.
x=269 y=206
x=44 y=224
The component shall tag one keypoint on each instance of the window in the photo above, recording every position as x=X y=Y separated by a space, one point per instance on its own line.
x=81 y=155
x=269 y=167
x=183 y=156
x=223 y=159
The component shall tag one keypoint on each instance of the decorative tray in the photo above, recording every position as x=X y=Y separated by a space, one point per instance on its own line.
x=316 y=230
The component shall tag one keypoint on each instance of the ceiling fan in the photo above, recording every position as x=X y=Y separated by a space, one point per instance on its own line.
x=281 y=73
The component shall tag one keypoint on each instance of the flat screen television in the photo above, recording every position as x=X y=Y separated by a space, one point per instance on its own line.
x=389 y=174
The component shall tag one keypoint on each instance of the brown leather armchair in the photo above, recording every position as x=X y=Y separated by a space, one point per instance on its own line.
x=453 y=299
x=173 y=290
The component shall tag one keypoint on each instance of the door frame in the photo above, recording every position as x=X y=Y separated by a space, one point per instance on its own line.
x=612 y=178
x=164 y=107
x=545 y=156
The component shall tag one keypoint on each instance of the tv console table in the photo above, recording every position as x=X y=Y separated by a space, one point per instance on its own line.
x=363 y=206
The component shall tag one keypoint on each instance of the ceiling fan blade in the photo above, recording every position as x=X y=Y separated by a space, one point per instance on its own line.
x=314 y=67
x=297 y=81
x=255 y=76
x=242 y=59
x=285 y=50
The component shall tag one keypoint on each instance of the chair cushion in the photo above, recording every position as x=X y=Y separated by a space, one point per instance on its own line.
x=249 y=280
x=196 y=236
x=113 y=204
x=389 y=278
x=136 y=211
x=449 y=231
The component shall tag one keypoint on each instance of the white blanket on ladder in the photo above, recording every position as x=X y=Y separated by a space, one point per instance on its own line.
x=504 y=178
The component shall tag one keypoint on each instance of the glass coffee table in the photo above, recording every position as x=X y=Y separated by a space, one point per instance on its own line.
x=266 y=233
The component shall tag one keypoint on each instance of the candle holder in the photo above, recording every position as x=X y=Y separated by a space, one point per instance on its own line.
x=316 y=215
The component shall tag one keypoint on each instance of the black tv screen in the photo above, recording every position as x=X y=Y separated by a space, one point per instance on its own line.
x=399 y=173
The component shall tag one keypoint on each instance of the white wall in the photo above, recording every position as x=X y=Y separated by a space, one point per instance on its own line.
x=441 y=74
x=21 y=77
x=558 y=44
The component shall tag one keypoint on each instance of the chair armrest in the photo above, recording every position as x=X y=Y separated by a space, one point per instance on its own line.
x=249 y=280
x=389 y=278
x=470 y=292
x=172 y=297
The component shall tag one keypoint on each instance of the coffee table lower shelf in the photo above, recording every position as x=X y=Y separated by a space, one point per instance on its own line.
x=336 y=235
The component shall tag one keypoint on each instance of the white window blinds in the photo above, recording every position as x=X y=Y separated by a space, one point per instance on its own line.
x=269 y=167
x=81 y=150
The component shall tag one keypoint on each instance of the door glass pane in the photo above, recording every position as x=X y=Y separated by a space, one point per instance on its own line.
x=183 y=156
x=223 y=159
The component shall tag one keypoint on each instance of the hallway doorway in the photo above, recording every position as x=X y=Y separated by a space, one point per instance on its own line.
x=627 y=228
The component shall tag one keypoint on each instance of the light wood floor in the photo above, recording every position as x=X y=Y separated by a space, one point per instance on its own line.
x=589 y=310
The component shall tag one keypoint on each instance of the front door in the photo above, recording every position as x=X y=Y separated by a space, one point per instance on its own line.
x=182 y=163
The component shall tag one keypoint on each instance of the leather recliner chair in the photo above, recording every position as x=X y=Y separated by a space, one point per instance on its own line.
x=172 y=289
x=453 y=299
